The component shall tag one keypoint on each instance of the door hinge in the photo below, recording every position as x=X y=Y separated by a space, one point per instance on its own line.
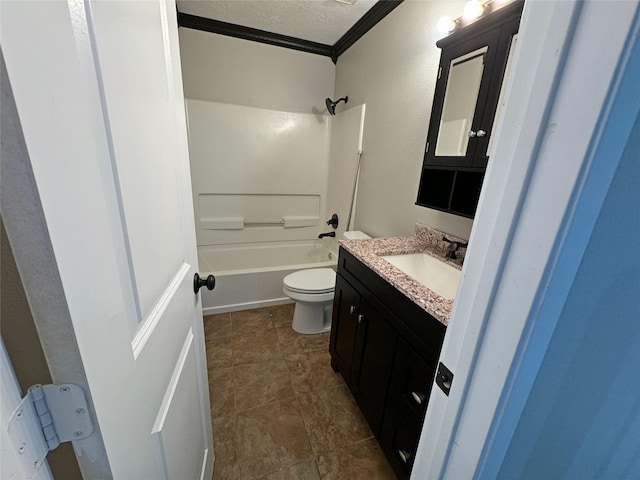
x=47 y=416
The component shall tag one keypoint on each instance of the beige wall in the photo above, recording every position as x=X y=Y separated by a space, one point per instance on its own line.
x=231 y=70
x=393 y=70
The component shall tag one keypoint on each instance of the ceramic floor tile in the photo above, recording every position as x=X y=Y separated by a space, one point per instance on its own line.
x=221 y=392
x=282 y=315
x=310 y=409
x=270 y=438
x=294 y=342
x=361 y=461
x=248 y=321
x=256 y=347
x=311 y=371
x=261 y=383
x=332 y=418
x=219 y=353
x=218 y=325
x=302 y=471
x=224 y=440
x=225 y=472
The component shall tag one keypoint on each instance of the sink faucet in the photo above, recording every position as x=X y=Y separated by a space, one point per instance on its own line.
x=328 y=234
x=453 y=248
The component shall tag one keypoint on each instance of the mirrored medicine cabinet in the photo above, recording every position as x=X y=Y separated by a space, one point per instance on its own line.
x=474 y=64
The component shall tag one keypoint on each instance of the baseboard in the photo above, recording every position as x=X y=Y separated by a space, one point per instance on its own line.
x=246 y=306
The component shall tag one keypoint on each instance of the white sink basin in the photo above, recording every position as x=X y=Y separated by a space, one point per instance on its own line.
x=439 y=277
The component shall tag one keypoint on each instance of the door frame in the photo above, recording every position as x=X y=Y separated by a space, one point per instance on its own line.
x=547 y=138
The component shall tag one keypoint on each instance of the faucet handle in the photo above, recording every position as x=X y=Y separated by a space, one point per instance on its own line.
x=453 y=248
x=456 y=243
x=333 y=221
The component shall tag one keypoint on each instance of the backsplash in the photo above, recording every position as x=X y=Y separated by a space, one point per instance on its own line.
x=433 y=238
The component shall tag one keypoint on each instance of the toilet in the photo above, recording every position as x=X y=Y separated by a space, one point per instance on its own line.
x=313 y=290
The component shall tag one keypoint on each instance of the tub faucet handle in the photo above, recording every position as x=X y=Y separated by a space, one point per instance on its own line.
x=333 y=221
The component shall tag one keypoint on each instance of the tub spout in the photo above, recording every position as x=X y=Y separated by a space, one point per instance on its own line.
x=328 y=234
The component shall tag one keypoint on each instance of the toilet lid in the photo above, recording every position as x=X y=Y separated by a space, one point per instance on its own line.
x=314 y=280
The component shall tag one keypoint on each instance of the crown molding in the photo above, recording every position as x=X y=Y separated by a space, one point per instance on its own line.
x=376 y=13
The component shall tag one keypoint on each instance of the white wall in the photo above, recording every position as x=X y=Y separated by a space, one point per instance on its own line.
x=393 y=69
x=231 y=70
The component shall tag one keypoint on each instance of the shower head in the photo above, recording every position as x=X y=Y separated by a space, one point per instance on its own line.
x=331 y=105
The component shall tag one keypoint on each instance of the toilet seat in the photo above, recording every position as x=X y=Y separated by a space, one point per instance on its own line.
x=314 y=281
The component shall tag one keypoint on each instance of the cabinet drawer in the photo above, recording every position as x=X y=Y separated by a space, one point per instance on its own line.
x=411 y=382
x=399 y=441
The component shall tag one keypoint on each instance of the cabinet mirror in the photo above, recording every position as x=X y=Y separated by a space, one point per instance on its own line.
x=460 y=101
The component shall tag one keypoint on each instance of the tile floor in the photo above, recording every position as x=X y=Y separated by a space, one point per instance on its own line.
x=279 y=411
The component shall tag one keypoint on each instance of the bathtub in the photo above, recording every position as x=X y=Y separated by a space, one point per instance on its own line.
x=250 y=275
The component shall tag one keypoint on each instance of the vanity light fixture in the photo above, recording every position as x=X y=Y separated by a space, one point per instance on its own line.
x=446 y=24
x=472 y=10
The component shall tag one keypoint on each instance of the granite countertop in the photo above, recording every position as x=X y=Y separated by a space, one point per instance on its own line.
x=425 y=240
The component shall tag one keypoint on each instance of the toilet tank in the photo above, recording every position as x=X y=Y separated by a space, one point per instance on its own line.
x=355 y=235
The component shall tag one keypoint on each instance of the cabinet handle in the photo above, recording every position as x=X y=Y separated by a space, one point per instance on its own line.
x=418 y=397
x=404 y=455
x=481 y=133
x=471 y=134
x=361 y=318
x=353 y=309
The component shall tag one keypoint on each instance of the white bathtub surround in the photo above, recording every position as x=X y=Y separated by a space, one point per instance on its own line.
x=347 y=128
x=263 y=191
x=258 y=175
x=251 y=275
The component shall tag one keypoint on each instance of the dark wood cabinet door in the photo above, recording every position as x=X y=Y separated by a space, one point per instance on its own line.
x=482 y=50
x=343 y=327
x=372 y=363
x=399 y=441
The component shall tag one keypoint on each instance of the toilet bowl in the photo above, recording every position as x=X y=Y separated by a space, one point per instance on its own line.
x=313 y=290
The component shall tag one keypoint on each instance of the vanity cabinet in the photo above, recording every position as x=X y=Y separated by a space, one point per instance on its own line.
x=386 y=348
x=473 y=65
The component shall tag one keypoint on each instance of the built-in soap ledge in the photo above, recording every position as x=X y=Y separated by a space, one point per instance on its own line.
x=240 y=223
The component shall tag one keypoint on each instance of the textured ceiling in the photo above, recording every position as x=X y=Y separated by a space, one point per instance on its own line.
x=322 y=21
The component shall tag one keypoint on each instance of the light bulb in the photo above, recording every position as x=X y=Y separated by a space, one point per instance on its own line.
x=446 y=24
x=472 y=10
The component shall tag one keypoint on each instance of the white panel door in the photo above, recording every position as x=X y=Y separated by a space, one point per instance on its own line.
x=99 y=94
